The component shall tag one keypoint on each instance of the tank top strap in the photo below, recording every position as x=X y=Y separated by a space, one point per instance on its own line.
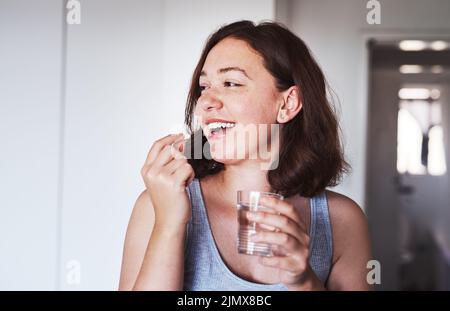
x=321 y=241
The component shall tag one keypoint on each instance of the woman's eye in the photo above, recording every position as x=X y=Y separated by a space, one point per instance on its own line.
x=226 y=84
x=231 y=84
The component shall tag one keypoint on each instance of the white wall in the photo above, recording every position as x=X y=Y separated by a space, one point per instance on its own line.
x=113 y=95
x=75 y=130
x=336 y=32
x=30 y=72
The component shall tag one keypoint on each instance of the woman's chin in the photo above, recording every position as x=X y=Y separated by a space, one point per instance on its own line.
x=232 y=154
x=229 y=159
x=225 y=160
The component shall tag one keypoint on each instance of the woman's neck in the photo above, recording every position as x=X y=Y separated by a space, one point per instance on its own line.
x=248 y=176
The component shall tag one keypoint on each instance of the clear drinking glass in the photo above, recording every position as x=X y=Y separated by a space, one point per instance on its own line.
x=248 y=201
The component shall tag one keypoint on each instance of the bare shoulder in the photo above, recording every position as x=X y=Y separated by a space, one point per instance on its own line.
x=344 y=212
x=139 y=230
x=347 y=220
x=351 y=243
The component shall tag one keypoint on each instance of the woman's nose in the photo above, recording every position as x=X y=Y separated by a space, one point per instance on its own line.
x=209 y=101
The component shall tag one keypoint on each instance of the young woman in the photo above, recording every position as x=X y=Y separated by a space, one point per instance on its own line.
x=183 y=228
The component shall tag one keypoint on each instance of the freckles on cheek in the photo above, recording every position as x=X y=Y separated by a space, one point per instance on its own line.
x=260 y=111
x=255 y=115
x=246 y=110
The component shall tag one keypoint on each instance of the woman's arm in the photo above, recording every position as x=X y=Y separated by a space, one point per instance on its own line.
x=153 y=256
x=351 y=244
x=154 y=246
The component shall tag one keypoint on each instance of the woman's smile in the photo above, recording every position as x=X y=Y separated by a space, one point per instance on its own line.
x=219 y=131
x=216 y=128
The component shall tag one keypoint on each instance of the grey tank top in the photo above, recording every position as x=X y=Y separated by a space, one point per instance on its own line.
x=205 y=270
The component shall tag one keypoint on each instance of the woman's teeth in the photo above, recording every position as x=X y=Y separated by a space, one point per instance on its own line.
x=216 y=126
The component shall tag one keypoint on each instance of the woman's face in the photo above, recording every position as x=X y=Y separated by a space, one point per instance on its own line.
x=237 y=89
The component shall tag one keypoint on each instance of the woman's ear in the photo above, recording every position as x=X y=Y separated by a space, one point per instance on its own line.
x=291 y=105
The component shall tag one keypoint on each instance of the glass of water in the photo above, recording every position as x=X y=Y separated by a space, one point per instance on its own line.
x=249 y=201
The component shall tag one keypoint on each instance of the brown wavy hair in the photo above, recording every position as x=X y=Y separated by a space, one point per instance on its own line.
x=311 y=155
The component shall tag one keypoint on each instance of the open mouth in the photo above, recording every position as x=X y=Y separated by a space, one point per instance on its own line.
x=219 y=129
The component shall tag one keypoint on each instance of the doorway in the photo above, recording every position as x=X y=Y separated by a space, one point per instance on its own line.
x=408 y=201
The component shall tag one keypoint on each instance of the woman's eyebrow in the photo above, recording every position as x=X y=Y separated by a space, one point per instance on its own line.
x=226 y=69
